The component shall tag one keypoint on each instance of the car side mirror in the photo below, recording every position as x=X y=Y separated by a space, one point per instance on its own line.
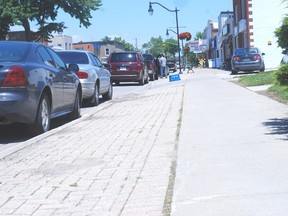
x=73 y=68
x=263 y=53
x=107 y=65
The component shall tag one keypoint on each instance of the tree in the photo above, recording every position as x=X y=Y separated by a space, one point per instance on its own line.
x=106 y=39
x=281 y=34
x=127 y=46
x=155 y=46
x=22 y=12
x=199 y=35
x=171 y=47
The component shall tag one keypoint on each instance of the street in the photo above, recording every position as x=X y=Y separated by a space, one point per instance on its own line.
x=201 y=146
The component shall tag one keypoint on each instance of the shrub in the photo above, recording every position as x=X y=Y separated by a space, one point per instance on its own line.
x=281 y=75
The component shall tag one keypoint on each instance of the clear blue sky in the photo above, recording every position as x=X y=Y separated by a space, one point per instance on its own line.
x=130 y=19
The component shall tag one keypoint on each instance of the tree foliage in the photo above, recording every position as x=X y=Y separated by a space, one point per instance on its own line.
x=127 y=46
x=156 y=46
x=281 y=34
x=22 y=12
x=199 y=35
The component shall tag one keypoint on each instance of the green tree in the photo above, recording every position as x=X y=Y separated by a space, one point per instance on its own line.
x=281 y=35
x=171 y=47
x=22 y=12
x=106 y=39
x=154 y=46
x=199 y=35
x=127 y=46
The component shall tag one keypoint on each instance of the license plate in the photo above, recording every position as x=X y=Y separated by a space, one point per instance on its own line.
x=246 y=60
x=122 y=68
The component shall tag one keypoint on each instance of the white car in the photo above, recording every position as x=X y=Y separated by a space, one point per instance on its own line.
x=94 y=77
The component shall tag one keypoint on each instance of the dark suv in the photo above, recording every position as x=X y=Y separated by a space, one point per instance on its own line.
x=150 y=65
x=127 y=67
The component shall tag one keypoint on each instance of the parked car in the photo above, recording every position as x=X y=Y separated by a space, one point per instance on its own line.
x=36 y=85
x=127 y=67
x=150 y=65
x=95 y=79
x=171 y=64
x=247 y=59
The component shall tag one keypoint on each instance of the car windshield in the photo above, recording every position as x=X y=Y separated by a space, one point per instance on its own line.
x=123 y=57
x=74 y=57
x=13 y=52
x=246 y=51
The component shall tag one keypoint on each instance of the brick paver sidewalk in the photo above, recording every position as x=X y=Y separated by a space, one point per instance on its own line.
x=113 y=162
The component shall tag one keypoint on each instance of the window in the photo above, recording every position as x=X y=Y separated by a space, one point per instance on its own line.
x=44 y=56
x=70 y=57
x=123 y=57
x=57 y=60
x=107 y=51
x=95 y=60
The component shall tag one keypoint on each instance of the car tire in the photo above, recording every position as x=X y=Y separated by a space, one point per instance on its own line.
x=147 y=79
x=234 y=72
x=156 y=76
x=76 y=112
x=42 y=123
x=152 y=77
x=262 y=69
x=108 y=95
x=95 y=98
x=141 y=81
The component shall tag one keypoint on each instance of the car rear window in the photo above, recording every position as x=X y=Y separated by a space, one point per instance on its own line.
x=246 y=51
x=13 y=52
x=148 y=57
x=74 y=57
x=123 y=57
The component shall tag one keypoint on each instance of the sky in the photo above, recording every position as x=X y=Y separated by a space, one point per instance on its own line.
x=130 y=20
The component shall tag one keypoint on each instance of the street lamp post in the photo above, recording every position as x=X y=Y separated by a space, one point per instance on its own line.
x=150 y=10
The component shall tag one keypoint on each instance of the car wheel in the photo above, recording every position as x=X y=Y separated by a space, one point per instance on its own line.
x=147 y=79
x=108 y=95
x=76 y=112
x=95 y=98
x=141 y=81
x=156 y=76
x=234 y=72
x=152 y=77
x=262 y=69
x=42 y=123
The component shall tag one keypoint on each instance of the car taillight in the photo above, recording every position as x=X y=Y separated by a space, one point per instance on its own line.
x=236 y=58
x=257 y=57
x=82 y=75
x=151 y=66
x=15 y=77
x=139 y=67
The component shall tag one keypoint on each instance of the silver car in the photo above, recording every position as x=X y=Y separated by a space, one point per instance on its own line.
x=95 y=79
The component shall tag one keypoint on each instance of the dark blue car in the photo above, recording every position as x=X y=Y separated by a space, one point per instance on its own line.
x=36 y=85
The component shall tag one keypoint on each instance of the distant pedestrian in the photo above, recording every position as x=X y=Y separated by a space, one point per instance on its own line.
x=163 y=66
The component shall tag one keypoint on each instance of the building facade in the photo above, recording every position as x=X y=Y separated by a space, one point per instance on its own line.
x=101 y=49
x=225 y=36
x=210 y=32
x=61 y=42
x=254 y=24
